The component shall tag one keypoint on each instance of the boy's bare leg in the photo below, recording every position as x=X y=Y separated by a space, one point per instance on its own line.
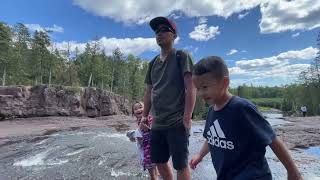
x=184 y=174
x=165 y=171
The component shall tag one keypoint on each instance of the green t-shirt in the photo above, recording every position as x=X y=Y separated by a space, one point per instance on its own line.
x=168 y=90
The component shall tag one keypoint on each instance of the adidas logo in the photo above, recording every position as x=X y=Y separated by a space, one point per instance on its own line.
x=217 y=138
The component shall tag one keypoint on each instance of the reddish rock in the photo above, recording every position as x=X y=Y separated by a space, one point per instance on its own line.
x=23 y=101
x=302 y=132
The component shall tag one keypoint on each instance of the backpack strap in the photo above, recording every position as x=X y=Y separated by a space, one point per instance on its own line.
x=178 y=59
x=153 y=60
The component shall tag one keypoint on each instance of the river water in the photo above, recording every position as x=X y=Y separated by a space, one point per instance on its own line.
x=105 y=153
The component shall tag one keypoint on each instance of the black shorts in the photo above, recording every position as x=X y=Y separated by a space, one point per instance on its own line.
x=173 y=142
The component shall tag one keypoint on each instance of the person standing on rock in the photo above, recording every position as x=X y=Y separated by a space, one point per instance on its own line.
x=170 y=95
x=142 y=137
x=236 y=134
x=304 y=110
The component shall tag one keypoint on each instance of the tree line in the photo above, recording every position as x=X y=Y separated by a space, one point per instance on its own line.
x=32 y=59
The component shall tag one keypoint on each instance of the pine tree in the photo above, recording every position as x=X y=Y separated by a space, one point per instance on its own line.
x=40 y=56
x=5 y=50
x=21 y=53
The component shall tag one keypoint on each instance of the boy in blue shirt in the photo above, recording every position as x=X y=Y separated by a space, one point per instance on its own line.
x=236 y=133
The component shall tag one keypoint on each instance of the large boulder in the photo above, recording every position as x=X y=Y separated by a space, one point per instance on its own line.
x=41 y=100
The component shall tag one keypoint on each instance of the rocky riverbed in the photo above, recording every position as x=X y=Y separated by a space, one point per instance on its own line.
x=96 y=148
x=300 y=132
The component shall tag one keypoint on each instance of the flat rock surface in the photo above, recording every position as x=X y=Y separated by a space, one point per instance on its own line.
x=97 y=148
x=301 y=132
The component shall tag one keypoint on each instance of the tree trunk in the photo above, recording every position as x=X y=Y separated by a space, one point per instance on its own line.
x=112 y=77
x=50 y=77
x=4 y=77
x=124 y=87
x=41 y=69
x=92 y=81
x=89 y=82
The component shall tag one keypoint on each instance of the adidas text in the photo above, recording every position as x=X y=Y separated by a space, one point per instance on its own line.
x=216 y=141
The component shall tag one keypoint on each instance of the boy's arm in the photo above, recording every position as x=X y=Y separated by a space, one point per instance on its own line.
x=190 y=99
x=204 y=150
x=280 y=150
x=198 y=157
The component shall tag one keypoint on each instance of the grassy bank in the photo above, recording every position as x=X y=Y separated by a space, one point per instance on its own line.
x=267 y=103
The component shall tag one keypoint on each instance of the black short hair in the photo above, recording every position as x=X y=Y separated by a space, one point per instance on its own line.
x=212 y=64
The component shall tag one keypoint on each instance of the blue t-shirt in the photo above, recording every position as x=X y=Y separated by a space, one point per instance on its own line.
x=237 y=136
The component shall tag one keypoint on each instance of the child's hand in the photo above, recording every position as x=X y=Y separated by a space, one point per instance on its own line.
x=195 y=161
x=187 y=123
x=294 y=176
x=143 y=127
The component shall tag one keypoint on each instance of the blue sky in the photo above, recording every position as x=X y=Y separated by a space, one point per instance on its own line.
x=264 y=42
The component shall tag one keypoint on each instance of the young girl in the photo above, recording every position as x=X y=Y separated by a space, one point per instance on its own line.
x=143 y=140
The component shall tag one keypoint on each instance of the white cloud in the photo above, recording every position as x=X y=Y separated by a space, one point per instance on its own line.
x=279 y=16
x=142 y=11
x=204 y=33
x=127 y=45
x=236 y=71
x=203 y=20
x=232 y=51
x=129 y=11
x=55 y=28
x=304 y=54
x=274 y=70
x=292 y=70
x=295 y=35
x=260 y=63
x=268 y=77
x=134 y=46
x=281 y=59
x=191 y=49
x=276 y=15
x=38 y=27
x=241 y=16
x=34 y=27
x=175 y=16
